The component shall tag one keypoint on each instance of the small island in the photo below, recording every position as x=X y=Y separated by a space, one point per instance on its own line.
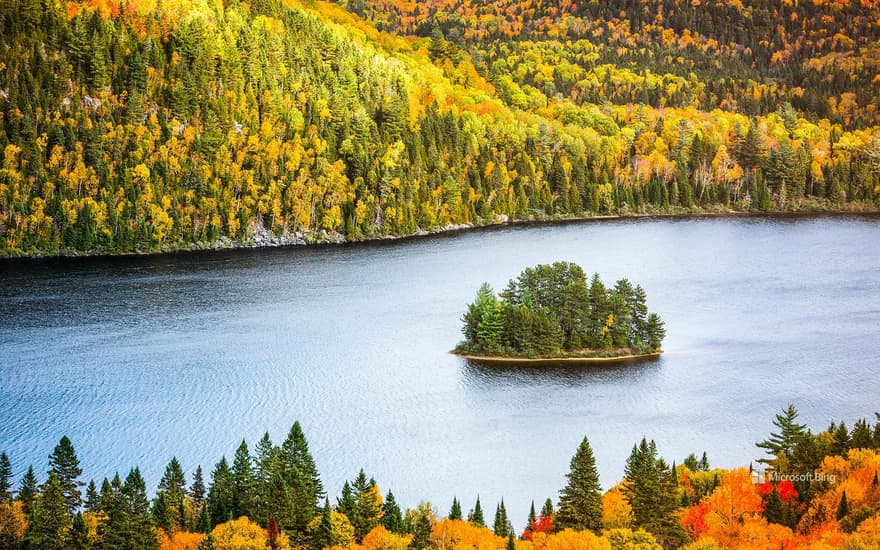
x=551 y=314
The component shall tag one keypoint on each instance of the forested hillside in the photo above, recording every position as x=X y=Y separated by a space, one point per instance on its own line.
x=136 y=126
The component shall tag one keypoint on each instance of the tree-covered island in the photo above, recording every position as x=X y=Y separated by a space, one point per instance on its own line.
x=554 y=312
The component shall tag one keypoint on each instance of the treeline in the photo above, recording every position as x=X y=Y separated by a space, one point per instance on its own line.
x=130 y=126
x=823 y=492
x=552 y=310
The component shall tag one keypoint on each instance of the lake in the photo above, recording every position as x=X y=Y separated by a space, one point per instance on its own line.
x=141 y=358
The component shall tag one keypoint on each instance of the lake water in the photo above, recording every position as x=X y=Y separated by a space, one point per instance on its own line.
x=139 y=359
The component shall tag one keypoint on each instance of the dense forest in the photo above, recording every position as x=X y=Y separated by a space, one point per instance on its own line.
x=158 y=124
x=553 y=311
x=823 y=492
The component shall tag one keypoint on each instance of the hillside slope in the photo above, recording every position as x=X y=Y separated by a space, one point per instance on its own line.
x=139 y=126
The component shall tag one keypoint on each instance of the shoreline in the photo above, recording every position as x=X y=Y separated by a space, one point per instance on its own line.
x=291 y=240
x=551 y=361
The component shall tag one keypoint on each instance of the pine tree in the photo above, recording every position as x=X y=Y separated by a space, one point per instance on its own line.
x=476 y=515
x=547 y=510
x=790 y=434
x=843 y=507
x=243 y=479
x=5 y=478
x=655 y=332
x=500 y=526
x=580 y=502
x=392 y=517
x=169 y=498
x=50 y=519
x=221 y=494
x=93 y=499
x=301 y=476
x=27 y=491
x=78 y=535
x=648 y=489
x=455 y=511
x=322 y=537
x=64 y=463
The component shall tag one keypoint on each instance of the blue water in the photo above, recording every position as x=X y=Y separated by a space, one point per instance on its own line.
x=139 y=359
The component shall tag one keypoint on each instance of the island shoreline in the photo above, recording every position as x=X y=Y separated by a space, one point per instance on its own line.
x=323 y=239
x=551 y=361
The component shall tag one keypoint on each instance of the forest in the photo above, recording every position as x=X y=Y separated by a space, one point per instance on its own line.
x=553 y=311
x=823 y=492
x=133 y=126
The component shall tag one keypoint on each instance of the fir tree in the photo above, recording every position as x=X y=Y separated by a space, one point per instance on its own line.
x=842 y=507
x=27 y=491
x=773 y=509
x=500 y=526
x=64 y=463
x=455 y=511
x=5 y=478
x=301 y=476
x=221 y=495
x=93 y=499
x=243 y=479
x=369 y=506
x=580 y=502
x=169 y=498
x=511 y=543
x=476 y=515
x=322 y=537
x=197 y=495
x=392 y=517
x=78 y=535
x=648 y=489
x=547 y=510
x=50 y=519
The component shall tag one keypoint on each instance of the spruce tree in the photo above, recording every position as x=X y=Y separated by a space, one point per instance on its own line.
x=580 y=502
x=368 y=505
x=221 y=494
x=64 y=463
x=301 y=476
x=649 y=490
x=455 y=511
x=50 y=519
x=842 y=507
x=392 y=517
x=244 y=482
x=78 y=535
x=279 y=503
x=169 y=497
x=5 y=478
x=500 y=526
x=476 y=515
x=532 y=516
x=27 y=491
x=773 y=509
x=322 y=537
x=197 y=495
x=93 y=499
x=547 y=510
x=511 y=543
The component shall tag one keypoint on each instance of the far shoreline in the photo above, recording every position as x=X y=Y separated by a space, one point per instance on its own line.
x=323 y=239
x=552 y=361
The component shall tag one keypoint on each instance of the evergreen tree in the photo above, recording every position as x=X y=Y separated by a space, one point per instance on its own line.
x=655 y=332
x=511 y=543
x=64 y=463
x=421 y=521
x=5 y=478
x=221 y=494
x=790 y=434
x=861 y=435
x=322 y=537
x=78 y=535
x=392 y=517
x=279 y=503
x=197 y=495
x=532 y=516
x=500 y=526
x=773 y=509
x=840 y=443
x=476 y=515
x=580 y=502
x=347 y=503
x=455 y=511
x=93 y=499
x=168 y=504
x=50 y=519
x=843 y=507
x=368 y=507
x=207 y=543
x=649 y=490
x=704 y=463
x=27 y=491
x=547 y=510
x=243 y=479
x=301 y=476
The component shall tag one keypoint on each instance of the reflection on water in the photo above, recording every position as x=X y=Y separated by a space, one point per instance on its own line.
x=139 y=359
